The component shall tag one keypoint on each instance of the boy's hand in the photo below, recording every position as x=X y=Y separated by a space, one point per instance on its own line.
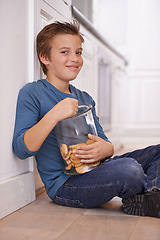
x=65 y=108
x=98 y=150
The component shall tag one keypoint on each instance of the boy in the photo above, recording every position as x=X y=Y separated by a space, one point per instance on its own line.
x=42 y=104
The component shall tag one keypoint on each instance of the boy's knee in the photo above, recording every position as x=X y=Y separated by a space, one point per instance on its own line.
x=132 y=172
x=135 y=175
x=133 y=178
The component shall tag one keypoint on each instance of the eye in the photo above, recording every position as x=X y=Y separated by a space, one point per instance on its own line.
x=79 y=53
x=64 y=52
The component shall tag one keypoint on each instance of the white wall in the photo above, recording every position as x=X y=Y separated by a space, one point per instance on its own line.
x=110 y=18
x=133 y=27
x=144 y=34
x=14 y=68
x=14 y=74
x=142 y=115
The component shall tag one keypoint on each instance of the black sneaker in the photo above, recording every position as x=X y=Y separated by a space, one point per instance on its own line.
x=147 y=204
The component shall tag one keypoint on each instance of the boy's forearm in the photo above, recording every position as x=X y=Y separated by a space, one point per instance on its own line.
x=35 y=136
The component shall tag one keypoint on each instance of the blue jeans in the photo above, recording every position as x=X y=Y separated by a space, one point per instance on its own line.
x=123 y=176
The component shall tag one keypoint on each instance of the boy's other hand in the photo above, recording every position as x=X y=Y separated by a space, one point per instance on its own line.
x=68 y=107
x=96 y=151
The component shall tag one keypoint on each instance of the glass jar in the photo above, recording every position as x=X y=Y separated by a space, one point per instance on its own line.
x=72 y=132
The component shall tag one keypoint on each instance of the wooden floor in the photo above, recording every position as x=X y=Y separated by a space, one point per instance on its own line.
x=45 y=220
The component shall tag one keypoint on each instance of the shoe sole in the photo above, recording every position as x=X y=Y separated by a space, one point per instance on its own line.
x=147 y=204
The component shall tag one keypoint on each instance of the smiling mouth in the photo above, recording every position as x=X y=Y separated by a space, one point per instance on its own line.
x=73 y=67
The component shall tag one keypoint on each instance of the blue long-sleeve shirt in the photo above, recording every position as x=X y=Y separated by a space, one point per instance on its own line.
x=34 y=101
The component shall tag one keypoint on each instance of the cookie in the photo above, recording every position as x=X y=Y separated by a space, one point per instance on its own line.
x=82 y=169
x=68 y=167
x=64 y=151
x=68 y=161
x=69 y=153
x=94 y=164
x=73 y=157
x=76 y=165
x=90 y=141
x=75 y=161
x=75 y=146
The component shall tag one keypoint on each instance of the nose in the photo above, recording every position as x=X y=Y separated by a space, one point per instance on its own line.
x=73 y=57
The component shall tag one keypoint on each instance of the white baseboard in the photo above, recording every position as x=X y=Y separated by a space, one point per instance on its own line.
x=16 y=193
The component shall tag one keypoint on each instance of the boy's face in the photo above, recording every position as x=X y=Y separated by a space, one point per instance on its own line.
x=65 y=59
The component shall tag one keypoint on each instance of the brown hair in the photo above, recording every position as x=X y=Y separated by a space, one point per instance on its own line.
x=48 y=32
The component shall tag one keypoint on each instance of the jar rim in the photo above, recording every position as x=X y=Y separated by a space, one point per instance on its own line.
x=88 y=106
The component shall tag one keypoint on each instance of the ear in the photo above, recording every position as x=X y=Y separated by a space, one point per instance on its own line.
x=44 y=59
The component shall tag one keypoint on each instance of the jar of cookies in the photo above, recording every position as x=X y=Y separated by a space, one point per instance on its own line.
x=72 y=132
